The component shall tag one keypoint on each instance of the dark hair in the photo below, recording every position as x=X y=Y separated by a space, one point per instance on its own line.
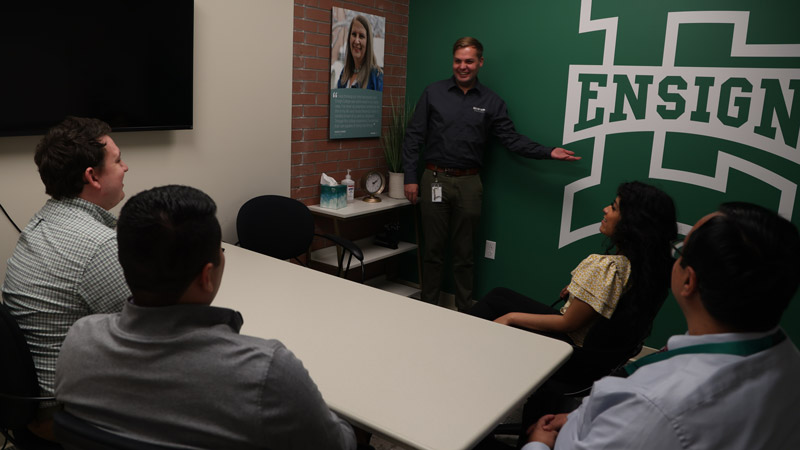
x=166 y=236
x=66 y=151
x=644 y=234
x=468 y=41
x=746 y=261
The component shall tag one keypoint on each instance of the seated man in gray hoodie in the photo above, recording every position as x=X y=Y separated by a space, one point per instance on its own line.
x=170 y=368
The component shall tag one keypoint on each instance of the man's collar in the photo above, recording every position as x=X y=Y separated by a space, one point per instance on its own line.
x=684 y=340
x=175 y=319
x=478 y=87
x=98 y=212
x=740 y=344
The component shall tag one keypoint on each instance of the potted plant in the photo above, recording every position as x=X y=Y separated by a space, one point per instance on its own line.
x=392 y=140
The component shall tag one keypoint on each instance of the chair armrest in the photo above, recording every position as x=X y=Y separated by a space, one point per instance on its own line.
x=23 y=398
x=351 y=246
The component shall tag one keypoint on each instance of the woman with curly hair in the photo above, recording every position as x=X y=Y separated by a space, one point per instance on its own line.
x=613 y=297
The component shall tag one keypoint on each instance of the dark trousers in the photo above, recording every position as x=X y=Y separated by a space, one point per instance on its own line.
x=451 y=223
x=501 y=301
x=549 y=398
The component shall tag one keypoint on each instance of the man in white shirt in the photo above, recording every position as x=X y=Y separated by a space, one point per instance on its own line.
x=731 y=381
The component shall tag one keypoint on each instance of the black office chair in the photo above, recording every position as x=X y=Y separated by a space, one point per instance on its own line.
x=19 y=387
x=78 y=434
x=283 y=228
x=610 y=343
x=608 y=346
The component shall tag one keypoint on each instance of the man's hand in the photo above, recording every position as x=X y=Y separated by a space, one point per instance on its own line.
x=563 y=154
x=545 y=430
x=556 y=423
x=411 y=191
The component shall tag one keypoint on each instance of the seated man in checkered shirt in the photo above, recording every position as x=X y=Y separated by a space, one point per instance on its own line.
x=65 y=263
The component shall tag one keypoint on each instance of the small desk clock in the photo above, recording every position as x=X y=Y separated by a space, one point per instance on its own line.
x=373 y=182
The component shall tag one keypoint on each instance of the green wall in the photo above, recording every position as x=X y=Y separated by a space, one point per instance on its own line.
x=706 y=150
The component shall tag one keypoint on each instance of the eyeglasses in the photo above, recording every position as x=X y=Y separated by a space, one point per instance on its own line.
x=677 y=248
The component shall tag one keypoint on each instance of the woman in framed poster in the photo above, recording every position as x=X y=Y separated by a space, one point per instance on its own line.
x=361 y=69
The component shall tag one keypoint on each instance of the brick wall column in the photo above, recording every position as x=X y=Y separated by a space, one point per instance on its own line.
x=312 y=152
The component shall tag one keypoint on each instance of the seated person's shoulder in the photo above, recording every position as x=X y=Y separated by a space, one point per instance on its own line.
x=274 y=349
x=267 y=346
x=84 y=233
x=279 y=358
x=615 y=262
x=602 y=270
x=88 y=326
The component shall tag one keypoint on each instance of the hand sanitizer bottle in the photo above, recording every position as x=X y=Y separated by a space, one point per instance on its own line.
x=351 y=187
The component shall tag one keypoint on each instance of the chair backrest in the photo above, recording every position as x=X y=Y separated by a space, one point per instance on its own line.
x=610 y=343
x=77 y=434
x=276 y=226
x=19 y=386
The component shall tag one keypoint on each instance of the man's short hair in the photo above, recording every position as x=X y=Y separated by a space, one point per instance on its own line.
x=166 y=236
x=747 y=266
x=468 y=41
x=66 y=151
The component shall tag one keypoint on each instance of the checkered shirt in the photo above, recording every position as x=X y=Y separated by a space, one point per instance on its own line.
x=64 y=267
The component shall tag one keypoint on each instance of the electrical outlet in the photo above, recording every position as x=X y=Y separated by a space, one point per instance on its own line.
x=491 y=247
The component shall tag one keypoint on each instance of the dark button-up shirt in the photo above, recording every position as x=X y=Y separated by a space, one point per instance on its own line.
x=455 y=127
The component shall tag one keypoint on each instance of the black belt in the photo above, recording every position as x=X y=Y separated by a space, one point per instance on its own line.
x=452 y=172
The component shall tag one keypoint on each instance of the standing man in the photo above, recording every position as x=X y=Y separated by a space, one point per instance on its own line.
x=454 y=120
x=65 y=264
x=172 y=370
x=731 y=381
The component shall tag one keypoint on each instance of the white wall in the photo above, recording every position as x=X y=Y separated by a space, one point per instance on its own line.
x=240 y=144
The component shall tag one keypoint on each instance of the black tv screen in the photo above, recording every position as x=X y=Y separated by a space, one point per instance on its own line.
x=127 y=62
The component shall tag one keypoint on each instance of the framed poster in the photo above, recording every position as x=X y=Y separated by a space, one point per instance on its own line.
x=356 y=96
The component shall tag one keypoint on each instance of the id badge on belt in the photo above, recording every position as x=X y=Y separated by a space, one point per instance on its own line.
x=436 y=192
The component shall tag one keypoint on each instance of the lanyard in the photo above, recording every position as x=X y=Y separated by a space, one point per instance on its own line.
x=741 y=348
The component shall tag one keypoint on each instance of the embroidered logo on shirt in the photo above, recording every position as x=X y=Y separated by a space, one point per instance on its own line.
x=479 y=110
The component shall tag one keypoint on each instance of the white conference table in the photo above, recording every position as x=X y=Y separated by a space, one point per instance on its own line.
x=415 y=373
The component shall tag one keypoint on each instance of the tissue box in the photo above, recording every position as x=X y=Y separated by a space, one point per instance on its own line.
x=333 y=197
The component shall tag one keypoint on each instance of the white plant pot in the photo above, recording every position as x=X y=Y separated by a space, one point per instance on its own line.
x=396 y=185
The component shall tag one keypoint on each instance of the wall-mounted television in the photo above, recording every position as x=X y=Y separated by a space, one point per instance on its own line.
x=127 y=62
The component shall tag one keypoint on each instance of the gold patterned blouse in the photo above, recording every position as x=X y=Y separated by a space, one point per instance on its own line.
x=599 y=281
